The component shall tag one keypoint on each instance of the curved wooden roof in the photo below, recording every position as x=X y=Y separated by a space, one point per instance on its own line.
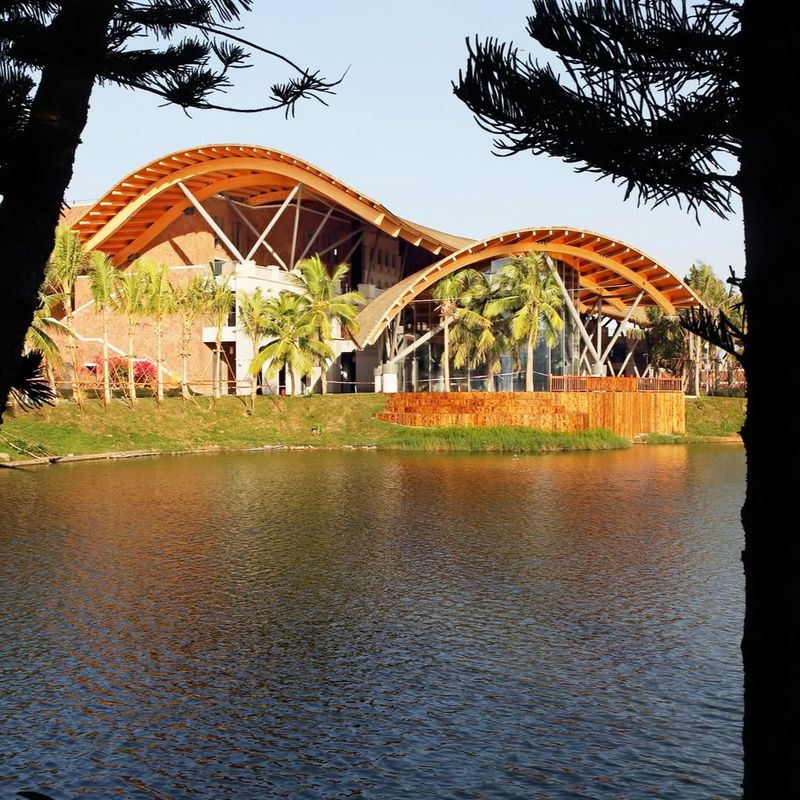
x=135 y=210
x=142 y=205
x=607 y=268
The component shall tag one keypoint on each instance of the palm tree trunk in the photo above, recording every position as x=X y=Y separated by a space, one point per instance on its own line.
x=217 y=391
x=446 y=356
x=106 y=378
x=73 y=347
x=51 y=379
x=529 y=365
x=185 y=363
x=131 y=372
x=253 y=390
x=159 y=360
x=489 y=378
x=323 y=365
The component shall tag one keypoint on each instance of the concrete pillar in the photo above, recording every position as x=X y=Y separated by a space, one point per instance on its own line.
x=389 y=378
x=378 y=379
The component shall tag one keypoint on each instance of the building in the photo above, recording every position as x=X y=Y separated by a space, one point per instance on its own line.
x=251 y=213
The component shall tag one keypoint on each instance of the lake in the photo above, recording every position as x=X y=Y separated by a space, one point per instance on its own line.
x=374 y=625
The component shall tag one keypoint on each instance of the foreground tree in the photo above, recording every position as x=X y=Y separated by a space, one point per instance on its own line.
x=191 y=302
x=529 y=292
x=53 y=54
x=252 y=317
x=292 y=342
x=320 y=291
x=67 y=261
x=102 y=283
x=159 y=305
x=40 y=338
x=129 y=297
x=219 y=305
x=447 y=291
x=662 y=96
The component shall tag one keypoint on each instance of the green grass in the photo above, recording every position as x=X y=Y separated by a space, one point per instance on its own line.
x=331 y=421
x=707 y=418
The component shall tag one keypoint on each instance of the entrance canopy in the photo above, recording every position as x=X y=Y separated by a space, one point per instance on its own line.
x=613 y=272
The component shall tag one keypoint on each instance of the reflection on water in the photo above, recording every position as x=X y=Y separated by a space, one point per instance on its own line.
x=374 y=625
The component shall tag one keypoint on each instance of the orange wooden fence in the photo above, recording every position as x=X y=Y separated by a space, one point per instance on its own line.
x=626 y=413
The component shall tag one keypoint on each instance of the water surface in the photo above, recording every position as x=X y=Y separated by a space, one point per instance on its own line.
x=375 y=625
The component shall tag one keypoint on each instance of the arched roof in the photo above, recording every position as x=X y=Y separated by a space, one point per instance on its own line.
x=607 y=268
x=140 y=206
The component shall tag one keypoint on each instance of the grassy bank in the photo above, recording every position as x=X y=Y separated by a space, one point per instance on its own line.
x=332 y=421
x=708 y=419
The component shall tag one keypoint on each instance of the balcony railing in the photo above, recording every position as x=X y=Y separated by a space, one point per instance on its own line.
x=592 y=383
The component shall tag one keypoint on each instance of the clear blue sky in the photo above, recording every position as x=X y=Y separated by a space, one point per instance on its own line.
x=395 y=131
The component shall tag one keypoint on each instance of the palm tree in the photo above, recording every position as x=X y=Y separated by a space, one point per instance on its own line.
x=159 y=303
x=717 y=299
x=129 y=299
x=67 y=261
x=220 y=302
x=293 y=341
x=479 y=331
x=102 y=282
x=531 y=294
x=191 y=303
x=447 y=291
x=253 y=311
x=39 y=336
x=319 y=289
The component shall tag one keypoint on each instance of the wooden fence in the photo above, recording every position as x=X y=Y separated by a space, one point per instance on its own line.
x=626 y=413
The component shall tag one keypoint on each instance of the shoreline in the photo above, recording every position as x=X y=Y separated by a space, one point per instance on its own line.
x=66 y=433
x=47 y=461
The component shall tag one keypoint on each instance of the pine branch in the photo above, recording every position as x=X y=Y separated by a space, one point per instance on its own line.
x=649 y=101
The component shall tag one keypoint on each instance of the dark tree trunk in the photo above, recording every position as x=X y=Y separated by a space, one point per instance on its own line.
x=770 y=176
x=35 y=182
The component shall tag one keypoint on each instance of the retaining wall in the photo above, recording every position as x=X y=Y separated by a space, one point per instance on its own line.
x=625 y=413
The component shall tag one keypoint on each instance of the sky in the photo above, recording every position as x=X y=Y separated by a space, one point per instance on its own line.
x=395 y=132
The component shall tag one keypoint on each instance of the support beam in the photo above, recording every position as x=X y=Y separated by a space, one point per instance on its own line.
x=359 y=240
x=211 y=224
x=296 y=223
x=576 y=317
x=316 y=234
x=628 y=358
x=338 y=242
x=273 y=222
x=415 y=344
x=620 y=326
x=255 y=230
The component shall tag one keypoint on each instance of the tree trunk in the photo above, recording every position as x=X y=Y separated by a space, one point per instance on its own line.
x=324 y=376
x=77 y=395
x=159 y=361
x=253 y=390
x=529 y=366
x=41 y=169
x=131 y=369
x=697 y=352
x=186 y=333
x=106 y=378
x=446 y=356
x=770 y=174
x=217 y=383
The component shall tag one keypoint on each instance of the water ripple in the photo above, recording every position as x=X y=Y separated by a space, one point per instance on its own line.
x=376 y=625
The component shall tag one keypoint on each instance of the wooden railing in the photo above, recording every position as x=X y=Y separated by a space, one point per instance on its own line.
x=593 y=383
